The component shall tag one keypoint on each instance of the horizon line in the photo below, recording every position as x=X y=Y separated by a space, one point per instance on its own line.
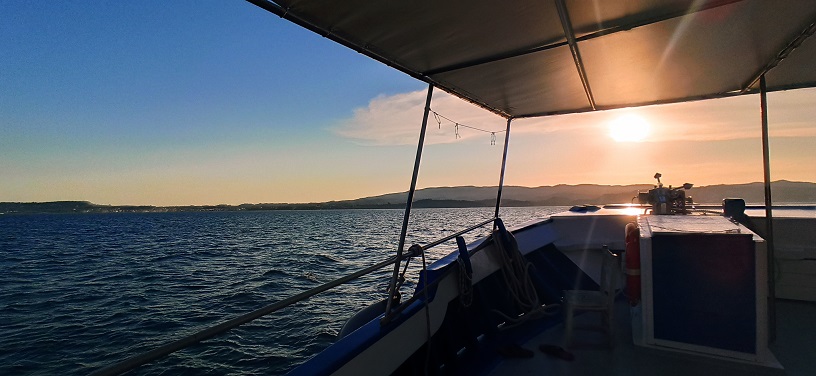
x=387 y=194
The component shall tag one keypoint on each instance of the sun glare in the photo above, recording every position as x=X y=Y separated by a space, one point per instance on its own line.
x=629 y=128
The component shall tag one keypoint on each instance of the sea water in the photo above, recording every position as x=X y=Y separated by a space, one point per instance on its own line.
x=82 y=291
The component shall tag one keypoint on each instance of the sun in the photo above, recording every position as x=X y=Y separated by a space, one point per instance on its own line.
x=629 y=128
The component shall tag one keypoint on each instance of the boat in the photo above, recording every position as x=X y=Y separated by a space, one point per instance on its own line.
x=684 y=288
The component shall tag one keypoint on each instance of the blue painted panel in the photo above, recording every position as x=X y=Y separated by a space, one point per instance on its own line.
x=705 y=290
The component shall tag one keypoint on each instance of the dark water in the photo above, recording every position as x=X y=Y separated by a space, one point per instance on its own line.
x=81 y=291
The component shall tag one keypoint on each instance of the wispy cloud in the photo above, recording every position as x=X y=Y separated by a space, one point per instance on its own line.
x=737 y=118
x=791 y=115
x=396 y=120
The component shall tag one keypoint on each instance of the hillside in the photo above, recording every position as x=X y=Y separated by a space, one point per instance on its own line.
x=784 y=192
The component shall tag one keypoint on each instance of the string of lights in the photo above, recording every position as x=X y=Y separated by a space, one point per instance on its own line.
x=439 y=117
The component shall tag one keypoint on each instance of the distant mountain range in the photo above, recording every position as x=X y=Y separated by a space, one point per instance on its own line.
x=784 y=192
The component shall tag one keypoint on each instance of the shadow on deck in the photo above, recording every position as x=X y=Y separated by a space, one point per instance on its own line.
x=794 y=348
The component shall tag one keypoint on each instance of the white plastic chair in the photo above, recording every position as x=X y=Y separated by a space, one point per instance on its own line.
x=602 y=300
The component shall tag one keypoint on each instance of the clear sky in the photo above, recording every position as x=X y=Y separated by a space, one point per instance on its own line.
x=211 y=102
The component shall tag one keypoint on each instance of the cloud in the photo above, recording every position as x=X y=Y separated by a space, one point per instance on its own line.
x=791 y=115
x=396 y=120
x=735 y=118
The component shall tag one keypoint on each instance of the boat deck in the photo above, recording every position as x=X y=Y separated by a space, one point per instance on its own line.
x=793 y=348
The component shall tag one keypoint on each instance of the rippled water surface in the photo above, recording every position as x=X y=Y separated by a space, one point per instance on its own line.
x=81 y=291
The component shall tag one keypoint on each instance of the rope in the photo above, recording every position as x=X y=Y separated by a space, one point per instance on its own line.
x=515 y=270
x=395 y=294
x=401 y=280
x=465 y=285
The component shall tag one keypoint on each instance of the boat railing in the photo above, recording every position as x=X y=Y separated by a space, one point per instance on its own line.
x=460 y=233
x=417 y=250
x=166 y=349
x=171 y=347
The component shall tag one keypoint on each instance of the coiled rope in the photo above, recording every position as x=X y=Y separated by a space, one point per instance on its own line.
x=515 y=270
x=465 y=284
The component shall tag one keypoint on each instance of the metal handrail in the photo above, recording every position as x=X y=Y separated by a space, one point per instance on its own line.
x=418 y=249
x=168 y=348
x=462 y=232
x=171 y=347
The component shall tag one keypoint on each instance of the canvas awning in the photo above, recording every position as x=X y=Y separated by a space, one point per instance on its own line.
x=532 y=58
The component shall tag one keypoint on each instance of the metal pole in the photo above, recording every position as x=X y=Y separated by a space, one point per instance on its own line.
x=168 y=348
x=569 y=32
x=769 y=237
x=392 y=285
x=503 y=165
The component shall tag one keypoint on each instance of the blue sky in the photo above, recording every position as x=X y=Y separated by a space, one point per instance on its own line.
x=89 y=83
x=130 y=69
x=209 y=102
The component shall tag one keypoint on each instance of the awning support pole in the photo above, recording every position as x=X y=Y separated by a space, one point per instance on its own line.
x=769 y=238
x=569 y=33
x=392 y=286
x=503 y=165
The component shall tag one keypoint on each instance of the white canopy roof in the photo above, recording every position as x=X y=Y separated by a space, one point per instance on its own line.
x=534 y=58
